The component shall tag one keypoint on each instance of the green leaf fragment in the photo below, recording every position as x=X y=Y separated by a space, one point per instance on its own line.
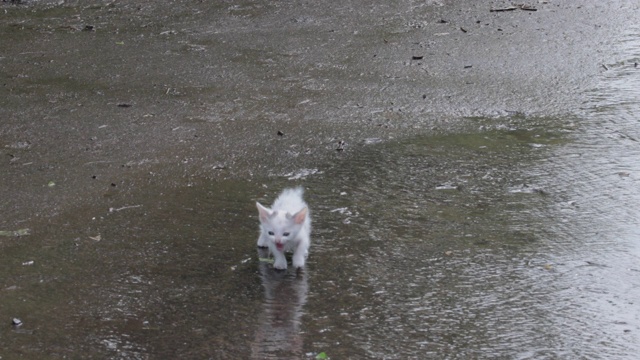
x=321 y=356
x=15 y=233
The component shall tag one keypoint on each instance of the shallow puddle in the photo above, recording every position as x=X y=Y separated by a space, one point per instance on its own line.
x=517 y=239
x=434 y=246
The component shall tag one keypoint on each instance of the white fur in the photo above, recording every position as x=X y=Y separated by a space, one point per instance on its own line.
x=286 y=226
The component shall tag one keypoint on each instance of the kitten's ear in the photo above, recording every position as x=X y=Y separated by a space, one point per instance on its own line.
x=299 y=217
x=264 y=212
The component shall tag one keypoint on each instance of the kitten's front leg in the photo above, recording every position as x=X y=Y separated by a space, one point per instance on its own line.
x=262 y=241
x=280 y=261
x=301 y=253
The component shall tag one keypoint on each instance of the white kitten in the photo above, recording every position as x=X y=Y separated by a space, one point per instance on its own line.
x=285 y=227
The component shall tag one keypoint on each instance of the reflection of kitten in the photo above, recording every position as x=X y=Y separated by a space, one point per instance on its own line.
x=286 y=226
x=277 y=331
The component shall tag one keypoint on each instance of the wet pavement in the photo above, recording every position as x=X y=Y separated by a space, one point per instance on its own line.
x=472 y=176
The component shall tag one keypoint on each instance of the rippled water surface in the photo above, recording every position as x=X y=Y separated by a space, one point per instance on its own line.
x=512 y=242
x=520 y=241
x=517 y=240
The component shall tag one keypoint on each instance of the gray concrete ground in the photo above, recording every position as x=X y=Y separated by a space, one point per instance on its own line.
x=104 y=97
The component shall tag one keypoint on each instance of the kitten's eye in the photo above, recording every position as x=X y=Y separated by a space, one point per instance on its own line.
x=285 y=234
x=271 y=233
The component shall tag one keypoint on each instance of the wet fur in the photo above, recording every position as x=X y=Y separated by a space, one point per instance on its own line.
x=286 y=226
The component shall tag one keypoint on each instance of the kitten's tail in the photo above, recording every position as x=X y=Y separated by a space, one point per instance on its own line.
x=296 y=191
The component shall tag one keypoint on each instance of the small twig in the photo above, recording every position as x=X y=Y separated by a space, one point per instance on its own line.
x=123 y=208
x=511 y=8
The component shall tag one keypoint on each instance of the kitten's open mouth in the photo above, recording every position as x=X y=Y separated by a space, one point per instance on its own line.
x=279 y=246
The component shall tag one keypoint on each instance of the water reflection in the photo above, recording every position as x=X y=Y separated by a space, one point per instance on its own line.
x=278 y=334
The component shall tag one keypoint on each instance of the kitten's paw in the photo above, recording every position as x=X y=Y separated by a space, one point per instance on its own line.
x=298 y=263
x=280 y=265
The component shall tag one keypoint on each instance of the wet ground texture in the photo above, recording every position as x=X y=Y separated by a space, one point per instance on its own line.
x=472 y=170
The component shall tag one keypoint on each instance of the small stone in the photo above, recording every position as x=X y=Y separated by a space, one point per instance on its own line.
x=16 y=322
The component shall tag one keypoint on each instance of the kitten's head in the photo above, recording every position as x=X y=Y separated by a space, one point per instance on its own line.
x=280 y=227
